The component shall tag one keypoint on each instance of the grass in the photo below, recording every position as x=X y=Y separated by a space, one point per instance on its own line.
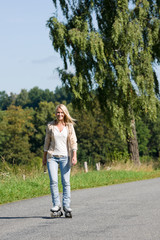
x=110 y=177
x=14 y=187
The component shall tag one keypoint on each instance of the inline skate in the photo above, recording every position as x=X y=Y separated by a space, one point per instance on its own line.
x=68 y=212
x=56 y=212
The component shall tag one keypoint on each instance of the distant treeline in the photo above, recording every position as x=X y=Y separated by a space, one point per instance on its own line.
x=32 y=98
x=23 y=119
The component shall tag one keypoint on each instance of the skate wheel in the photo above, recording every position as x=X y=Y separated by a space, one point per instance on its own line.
x=52 y=215
x=68 y=215
x=56 y=214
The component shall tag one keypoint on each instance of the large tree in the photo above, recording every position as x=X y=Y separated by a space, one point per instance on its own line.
x=112 y=45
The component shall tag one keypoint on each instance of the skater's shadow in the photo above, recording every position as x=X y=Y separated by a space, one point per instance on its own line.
x=42 y=217
x=21 y=217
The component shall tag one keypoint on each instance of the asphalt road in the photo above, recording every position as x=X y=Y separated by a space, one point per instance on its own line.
x=128 y=211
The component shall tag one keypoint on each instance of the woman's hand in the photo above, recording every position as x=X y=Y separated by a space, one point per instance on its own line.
x=74 y=158
x=74 y=161
x=44 y=158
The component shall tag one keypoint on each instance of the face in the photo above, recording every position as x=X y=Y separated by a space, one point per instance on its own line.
x=60 y=114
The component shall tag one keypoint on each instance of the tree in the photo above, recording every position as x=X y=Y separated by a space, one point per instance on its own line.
x=37 y=95
x=97 y=142
x=144 y=135
x=112 y=48
x=22 y=98
x=4 y=100
x=43 y=114
x=61 y=94
x=15 y=129
x=154 y=143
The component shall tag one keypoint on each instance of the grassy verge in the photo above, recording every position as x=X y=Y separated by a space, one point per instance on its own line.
x=14 y=187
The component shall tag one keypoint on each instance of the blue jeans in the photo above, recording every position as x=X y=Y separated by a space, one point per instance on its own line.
x=52 y=165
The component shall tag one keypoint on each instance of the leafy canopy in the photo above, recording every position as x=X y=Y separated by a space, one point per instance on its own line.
x=112 y=49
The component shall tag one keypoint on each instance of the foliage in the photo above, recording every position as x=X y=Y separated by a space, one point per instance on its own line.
x=5 y=100
x=149 y=135
x=37 y=95
x=42 y=115
x=22 y=133
x=22 y=98
x=154 y=141
x=61 y=95
x=144 y=135
x=97 y=142
x=32 y=98
x=112 y=48
x=15 y=129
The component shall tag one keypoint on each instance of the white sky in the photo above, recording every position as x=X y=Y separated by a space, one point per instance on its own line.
x=27 y=58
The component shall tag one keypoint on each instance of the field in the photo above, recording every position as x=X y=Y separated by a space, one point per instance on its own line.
x=18 y=186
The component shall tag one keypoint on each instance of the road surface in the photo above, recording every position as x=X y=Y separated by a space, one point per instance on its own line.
x=129 y=211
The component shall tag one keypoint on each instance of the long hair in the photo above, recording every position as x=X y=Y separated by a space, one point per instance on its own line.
x=67 y=116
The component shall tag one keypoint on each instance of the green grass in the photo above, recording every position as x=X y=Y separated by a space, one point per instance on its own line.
x=13 y=187
x=104 y=178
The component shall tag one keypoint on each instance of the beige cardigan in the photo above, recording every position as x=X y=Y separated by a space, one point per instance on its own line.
x=49 y=143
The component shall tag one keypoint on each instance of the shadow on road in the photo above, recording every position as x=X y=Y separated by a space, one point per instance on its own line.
x=31 y=217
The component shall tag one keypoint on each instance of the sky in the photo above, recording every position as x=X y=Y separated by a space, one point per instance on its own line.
x=27 y=58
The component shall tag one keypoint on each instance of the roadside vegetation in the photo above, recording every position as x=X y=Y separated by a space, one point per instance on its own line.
x=23 y=119
x=20 y=183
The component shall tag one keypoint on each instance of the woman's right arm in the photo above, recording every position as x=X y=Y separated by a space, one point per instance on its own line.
x=46 y=145
x=44 y=158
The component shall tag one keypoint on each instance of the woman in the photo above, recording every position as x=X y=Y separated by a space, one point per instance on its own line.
x=60 y=148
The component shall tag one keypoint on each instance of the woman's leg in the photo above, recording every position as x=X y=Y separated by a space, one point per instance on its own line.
x=65 y=176
x=52 y=165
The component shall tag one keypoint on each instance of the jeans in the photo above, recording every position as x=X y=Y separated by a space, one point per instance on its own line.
x=52 y=165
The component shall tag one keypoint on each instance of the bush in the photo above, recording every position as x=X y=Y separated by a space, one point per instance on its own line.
x=36 y=163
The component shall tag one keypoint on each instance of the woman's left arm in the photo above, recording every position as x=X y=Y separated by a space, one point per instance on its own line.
x=74 y=157
x=74 y=146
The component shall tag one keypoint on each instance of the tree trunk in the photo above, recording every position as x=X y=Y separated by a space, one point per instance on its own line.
x=133 y=145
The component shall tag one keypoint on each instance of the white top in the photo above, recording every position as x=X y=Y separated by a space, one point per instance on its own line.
x=60 y=141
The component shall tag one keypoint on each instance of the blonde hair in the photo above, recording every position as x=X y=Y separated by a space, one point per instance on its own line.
x=67 y=117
